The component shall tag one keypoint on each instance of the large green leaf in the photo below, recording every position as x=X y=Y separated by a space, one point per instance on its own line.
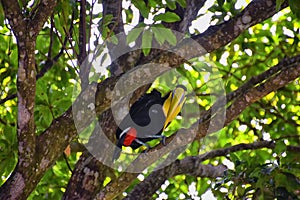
x=167 y=17
x=147 y=41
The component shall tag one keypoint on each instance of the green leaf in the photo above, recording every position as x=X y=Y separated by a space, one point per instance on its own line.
x=171 y=4
x=280 y=147
x=158 y=35
x=167 y=17
x=278 y=4
x=107 y=19
x=182 y=3
x=113 y=39
x=240 y=190
x=133 y=35
x=235 y=158
x=58 y=24
x=142 y=7
x=147 y=41
x=220 y=2
x=2 y=17
x=45 y=117
x=162 y=34
x=170 y=37
x=295 y=7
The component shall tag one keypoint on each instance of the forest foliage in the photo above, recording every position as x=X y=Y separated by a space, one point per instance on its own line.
x=259 y=147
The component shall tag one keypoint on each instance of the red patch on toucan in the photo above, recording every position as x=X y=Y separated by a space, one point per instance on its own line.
x=130 y=137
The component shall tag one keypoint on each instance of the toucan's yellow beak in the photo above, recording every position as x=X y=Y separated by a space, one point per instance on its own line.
x=173 y=104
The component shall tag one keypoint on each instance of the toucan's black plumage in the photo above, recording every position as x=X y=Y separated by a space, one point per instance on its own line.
x=147 y=118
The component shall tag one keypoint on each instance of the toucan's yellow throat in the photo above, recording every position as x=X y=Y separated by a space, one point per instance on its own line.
x=173 y=104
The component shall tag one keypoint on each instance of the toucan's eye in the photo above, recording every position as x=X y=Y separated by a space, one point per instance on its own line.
x=154 y=111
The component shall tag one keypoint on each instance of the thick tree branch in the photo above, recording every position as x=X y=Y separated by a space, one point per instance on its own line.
x=25 y=169
x=14 y=15
x=26 y=82
x=190 y=14
x=17 y=186
x=219 y=35
x=40 y=15
x=145 y=190
x=121 y=63
x=86 y=185
x=254 y=13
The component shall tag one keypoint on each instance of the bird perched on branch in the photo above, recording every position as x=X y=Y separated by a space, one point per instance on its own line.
x=147 y=119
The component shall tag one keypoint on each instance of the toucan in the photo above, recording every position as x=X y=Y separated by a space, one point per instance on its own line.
x=147 y=119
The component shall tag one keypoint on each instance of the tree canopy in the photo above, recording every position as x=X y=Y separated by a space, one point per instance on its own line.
x=69 y=71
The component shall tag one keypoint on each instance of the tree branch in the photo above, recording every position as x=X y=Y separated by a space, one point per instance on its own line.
x=91 y=183
x=40 y=15
x=219 y=35
x=9 y=97
x=190 y=165
x=190 y=13
x=256 y=12
x=146 y=189
x=14 y=15
x=121 y=63
x=84 y=67
x=17 y=186
x=50 y=62
x=114 y=8
x=26 y=97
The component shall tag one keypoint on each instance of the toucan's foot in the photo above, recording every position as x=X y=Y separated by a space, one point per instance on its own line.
x=147 y=148
x=163 y=140
x=144 y=144
x=161 y=137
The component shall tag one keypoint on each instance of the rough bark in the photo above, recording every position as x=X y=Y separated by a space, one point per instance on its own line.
x=89 y=173
x=23 y=180
x=145 y=190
